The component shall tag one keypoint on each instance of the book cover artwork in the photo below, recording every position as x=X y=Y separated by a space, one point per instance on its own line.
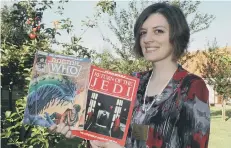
x=57 y=91
x=110 y=101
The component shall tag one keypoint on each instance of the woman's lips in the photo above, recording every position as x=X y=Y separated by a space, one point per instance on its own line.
x=151 y=49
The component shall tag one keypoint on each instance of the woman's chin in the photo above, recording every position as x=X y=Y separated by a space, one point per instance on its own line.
x=151 y=59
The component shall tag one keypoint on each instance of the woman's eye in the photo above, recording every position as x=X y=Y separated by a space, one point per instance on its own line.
x=159 y=31
x=142 y=33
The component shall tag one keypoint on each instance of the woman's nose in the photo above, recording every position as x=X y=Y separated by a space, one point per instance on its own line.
x=148 y=37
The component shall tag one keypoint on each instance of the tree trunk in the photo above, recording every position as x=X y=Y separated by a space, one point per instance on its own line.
x=10 y=97
x=223 y=109
x=214 y=96
x=10 y=88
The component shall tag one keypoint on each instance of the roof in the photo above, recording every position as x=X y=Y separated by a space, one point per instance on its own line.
x=196 y=60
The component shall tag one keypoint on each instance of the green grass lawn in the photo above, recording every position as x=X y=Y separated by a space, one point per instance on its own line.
x=220 y=133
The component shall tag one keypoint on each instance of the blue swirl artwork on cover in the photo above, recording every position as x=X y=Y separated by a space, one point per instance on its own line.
x=57 y=90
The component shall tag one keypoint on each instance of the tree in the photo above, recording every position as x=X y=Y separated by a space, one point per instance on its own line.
x=122 y=21
x=217 y=71
x=22 y=33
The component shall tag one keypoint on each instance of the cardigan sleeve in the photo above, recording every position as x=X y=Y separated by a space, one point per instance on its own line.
x=194 y=121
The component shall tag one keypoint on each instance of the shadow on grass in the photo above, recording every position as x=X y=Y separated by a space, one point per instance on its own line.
x=219 y=113
x=216 y=113
x=228 y=113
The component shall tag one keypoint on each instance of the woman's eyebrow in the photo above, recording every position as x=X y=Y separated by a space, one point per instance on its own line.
x=154 y=27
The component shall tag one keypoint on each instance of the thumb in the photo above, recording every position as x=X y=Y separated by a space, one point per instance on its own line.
x=98 y=143
x=52 y=128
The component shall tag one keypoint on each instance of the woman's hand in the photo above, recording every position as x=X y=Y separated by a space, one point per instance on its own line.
x=62 y=129
x=100 y=144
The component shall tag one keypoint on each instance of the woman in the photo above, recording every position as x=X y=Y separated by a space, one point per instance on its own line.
x=172 y=109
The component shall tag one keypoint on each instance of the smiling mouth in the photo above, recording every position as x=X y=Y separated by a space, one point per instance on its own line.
x=151 y=49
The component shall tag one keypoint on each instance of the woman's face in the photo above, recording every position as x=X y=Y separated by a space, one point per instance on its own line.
x=154 y=38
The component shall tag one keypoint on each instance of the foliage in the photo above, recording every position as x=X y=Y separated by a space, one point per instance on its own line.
x=24 y=135
x=199 y=21
x=107 y=6
x=23 y=32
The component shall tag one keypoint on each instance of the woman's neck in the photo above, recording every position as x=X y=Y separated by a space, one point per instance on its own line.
x=163 y=70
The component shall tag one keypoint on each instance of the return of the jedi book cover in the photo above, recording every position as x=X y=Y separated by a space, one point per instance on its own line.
x=110 y=100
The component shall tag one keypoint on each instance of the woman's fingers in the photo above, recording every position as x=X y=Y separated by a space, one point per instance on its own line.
x=65 y=129
x=60 y=127
x=72 y=136
x=99 y=144
x=69 y=135
x=94 y=144
x=52 y=128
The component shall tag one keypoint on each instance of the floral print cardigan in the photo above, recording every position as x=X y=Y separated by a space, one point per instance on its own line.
x=181 y=119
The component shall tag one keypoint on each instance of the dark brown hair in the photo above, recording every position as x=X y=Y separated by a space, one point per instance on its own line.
x=179 y=29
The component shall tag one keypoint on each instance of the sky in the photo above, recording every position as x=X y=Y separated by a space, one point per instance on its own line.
x=77 y=11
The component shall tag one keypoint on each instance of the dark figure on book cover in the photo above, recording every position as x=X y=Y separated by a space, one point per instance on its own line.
x=103 y=118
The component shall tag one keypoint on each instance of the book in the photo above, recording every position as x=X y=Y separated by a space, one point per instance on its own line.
x=110 y=101
x=57 y=90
